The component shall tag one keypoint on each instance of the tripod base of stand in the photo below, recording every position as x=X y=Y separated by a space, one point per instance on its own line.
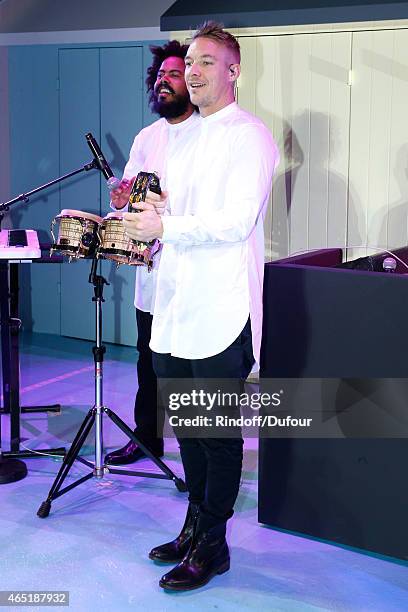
x=44 y=509
x=12 y=470
x=99 y=469
x=32 y=409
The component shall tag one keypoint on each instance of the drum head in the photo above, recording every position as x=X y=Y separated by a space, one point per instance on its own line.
x=79 y=214
x=114 y=215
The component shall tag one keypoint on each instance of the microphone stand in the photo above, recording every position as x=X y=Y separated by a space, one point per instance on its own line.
x=12 y=468
x=94 y=417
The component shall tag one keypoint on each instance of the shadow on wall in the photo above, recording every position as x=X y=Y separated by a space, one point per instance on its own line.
x=118 y=282
x=118 y=277
x=389 y=225
x=313 y=206
x=117 y=158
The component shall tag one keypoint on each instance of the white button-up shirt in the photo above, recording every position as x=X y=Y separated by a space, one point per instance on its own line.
x=149 y=153
x=211 y=269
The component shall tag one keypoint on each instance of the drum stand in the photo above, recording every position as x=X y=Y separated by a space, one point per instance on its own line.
x=94 y=417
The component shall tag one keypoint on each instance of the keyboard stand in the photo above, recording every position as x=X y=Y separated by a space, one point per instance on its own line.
x=10 y=328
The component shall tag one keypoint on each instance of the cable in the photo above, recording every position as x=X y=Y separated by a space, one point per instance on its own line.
x=31 y=450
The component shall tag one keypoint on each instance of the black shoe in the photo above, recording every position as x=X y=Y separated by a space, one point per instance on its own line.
x=174 y=551
x=207 y=557
x=130 y=453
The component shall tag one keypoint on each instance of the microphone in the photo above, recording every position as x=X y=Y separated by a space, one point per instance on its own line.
x=389 y=264
x=102 y=164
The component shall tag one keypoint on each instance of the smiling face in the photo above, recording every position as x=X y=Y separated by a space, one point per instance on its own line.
x=171 y=98
x=211 y=71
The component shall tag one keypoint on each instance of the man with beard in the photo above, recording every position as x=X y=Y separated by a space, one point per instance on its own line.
x=150 y=151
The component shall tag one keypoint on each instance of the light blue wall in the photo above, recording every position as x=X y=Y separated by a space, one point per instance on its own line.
x=34 y=160
x=4 y=127
x=56 y=298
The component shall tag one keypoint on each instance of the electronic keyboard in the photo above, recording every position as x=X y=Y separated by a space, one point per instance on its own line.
x=19 y=244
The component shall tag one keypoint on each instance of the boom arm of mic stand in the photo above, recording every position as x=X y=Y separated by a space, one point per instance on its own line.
x=25 y=197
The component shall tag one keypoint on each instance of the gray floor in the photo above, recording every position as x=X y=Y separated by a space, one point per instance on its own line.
x=95 y=542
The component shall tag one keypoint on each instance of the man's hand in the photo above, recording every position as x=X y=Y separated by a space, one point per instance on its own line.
x=120 y=195
x=145 y=225
x=159 y=201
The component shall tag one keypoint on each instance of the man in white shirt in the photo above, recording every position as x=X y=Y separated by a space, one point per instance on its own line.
x=208 y=308
x=170 y=100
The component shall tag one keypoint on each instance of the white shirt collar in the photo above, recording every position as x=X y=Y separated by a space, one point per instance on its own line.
x=224 y=112
x=183 y=124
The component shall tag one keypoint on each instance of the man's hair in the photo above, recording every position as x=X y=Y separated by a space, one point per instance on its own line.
x=171 y=49
x=215 y=31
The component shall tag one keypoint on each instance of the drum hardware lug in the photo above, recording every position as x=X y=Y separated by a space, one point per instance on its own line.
x=52 y=230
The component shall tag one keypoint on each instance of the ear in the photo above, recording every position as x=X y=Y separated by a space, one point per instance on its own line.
x=234 y=72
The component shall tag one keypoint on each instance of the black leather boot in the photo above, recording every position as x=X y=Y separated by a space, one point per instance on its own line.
x=207 y=557
x=132 y=452
x=174 y=551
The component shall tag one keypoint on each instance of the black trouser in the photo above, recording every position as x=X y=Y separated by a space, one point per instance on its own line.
x=212 y=466
x=148 y=423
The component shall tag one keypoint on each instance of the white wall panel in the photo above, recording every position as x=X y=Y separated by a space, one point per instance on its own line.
x=379 y=135
x=398 y=167
x=299 y=85
x=338 y=158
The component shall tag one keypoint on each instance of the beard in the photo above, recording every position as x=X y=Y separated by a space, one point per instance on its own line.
x=172 y=109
